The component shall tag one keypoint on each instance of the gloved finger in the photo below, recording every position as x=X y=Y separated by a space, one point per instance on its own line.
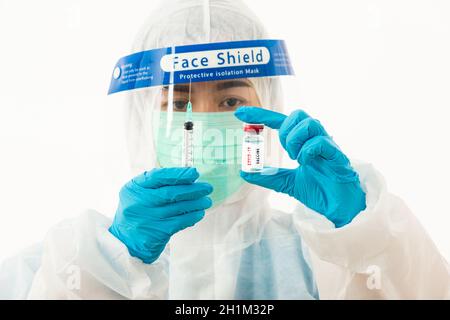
x=193 y=191
x=277 y=179
x=289 y=123
x=150 y=198
x=323 y=147
x=180 y=222
x=182 y=207
x=259 y=115
x=302 y=132
x=160 y=177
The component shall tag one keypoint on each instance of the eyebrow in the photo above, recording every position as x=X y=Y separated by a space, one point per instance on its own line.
x=220 y=86
x=178 y=87
x=232 y=84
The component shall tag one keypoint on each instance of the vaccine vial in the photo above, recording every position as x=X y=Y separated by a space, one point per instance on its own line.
x=253 y=148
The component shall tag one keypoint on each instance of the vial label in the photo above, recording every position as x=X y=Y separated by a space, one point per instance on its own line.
x=252 y=155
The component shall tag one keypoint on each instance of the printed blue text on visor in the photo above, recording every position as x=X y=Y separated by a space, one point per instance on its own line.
x=201 y=62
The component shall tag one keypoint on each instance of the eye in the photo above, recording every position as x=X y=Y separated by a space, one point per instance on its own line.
x=179 y=105
x=231 y=103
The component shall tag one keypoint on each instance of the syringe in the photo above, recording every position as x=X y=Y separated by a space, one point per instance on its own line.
x=188 y=148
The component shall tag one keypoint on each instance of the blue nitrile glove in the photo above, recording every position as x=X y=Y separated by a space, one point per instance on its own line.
x=324 y=181
x=155 y=205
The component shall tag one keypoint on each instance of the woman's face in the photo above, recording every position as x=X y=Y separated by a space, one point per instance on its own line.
x=214 y=96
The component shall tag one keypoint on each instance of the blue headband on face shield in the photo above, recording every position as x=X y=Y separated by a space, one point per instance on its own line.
x=201 y=62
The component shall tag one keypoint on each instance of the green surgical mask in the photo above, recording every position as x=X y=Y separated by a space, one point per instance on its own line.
x=217 y=142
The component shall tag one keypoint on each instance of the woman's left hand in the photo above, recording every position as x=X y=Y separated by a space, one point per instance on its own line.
x=324 y=181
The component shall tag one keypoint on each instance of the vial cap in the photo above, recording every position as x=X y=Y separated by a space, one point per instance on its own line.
x=253 y=128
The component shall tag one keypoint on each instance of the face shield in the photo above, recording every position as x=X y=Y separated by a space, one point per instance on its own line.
x=189 y=94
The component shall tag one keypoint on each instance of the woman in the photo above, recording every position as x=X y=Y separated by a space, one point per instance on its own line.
x=204 y=233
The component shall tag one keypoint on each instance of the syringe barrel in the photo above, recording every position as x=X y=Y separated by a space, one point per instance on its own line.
x=187 y=157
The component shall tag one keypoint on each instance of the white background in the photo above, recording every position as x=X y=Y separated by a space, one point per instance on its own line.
x=376 y=73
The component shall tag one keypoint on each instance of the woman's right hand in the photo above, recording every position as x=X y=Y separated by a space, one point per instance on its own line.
x=155 y=205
